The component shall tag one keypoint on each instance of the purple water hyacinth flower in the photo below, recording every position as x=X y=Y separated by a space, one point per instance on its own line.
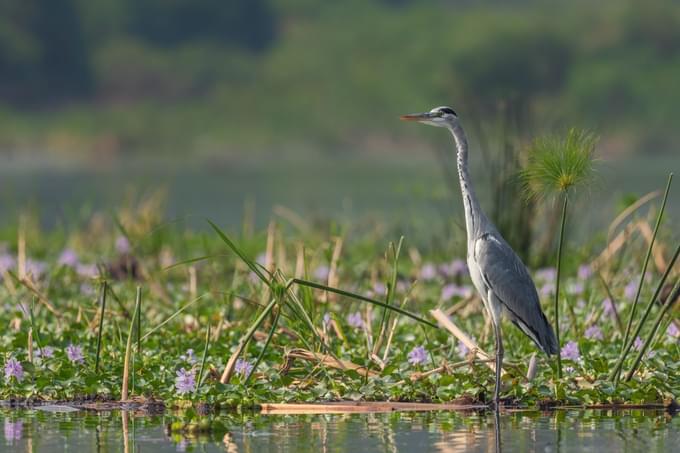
x=417 y=356
x=243 y=367
x=35 y=268
x=569 y=369
x=7 y=262
x=575 y=288
x=454 y=268
x=594 y=333
x=87 y=270
x=580 y=304
x=327 y=319
x=462 y=349
x=355 y=320
x=546 y=274
x=379 y=289
x=608 y=306
x=451 y=290
x=402 y=286
x=321 y=272
x=428 y=272
x=13 y=430
x=68 y=257
x=75 y=354
x=87 y=289
x=122 y=245
x=189 y=356
x=584 y=272
x=13 y=369
x=570 y=351
x=630 y=290
x=185 y=381
x=638 y=343
x=448 y=291
x=547 y=289
x=672 y=330
x=45 y=352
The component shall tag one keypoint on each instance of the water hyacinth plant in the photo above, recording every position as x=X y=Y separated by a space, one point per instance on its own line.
x=556 y=166
x=189 y=336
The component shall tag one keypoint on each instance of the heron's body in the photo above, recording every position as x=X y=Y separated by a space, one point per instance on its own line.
x=498 y=274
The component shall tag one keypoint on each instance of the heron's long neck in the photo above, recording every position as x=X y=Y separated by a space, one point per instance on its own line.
x=475 y=220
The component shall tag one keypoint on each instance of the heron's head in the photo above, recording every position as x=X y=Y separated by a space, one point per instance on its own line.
x=438 y=116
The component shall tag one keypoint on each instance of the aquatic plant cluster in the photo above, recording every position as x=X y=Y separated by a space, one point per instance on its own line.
x=214 y=326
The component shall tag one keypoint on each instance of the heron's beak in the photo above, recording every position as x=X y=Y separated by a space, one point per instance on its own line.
x=417 y=117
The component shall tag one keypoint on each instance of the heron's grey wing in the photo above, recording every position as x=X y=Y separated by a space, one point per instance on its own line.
x=506 y=276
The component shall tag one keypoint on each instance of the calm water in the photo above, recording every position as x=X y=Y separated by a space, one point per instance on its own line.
x=407 y=191
x=563 y=431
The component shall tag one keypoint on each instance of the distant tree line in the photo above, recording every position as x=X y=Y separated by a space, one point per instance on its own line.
x=46 y=46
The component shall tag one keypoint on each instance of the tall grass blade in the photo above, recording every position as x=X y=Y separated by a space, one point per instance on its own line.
x=250 y=263
x=659 y=287
x=557 y=284
x=102 y=305
x=229 y=368
x=128 y=348
x=362 y=298
x=192 y=260
x=617 y=371
x=266 y=345
x=173 y=316
x=33 y=326
x=139 y=326
x=203 y=359
x=390 y=293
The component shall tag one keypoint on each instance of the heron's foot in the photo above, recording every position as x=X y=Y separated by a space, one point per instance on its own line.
x=495 y=404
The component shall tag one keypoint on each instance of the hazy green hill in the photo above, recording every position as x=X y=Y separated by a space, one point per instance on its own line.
x=156 y=76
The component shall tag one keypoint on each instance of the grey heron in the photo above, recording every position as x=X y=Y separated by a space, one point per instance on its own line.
x=499 y=275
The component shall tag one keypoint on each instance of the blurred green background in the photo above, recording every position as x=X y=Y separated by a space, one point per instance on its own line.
x=296 y=102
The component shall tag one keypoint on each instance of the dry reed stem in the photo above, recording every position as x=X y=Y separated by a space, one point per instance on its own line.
x=9 y=284
x=445 y=368
x=192 y=282
x=328 y=361
x=532 y=368
x=459 y=306
x=615 y=245
x=281 y=257
x=446 y=322
x=333 y=278
x=30 y=344
x=300 y=260
x=389 y=339
x=126 y=435
x=269 y=259
x=292 y=217
x=657 y=252
x=630 y=210
x=28 y=284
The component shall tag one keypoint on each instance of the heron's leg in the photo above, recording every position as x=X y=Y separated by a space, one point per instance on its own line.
x=494 y=308
x=499 y=361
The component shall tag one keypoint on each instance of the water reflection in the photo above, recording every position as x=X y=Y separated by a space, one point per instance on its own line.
x=526 y=431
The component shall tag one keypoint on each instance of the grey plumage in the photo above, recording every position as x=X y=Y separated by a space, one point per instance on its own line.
x=498 y=274
x=506 y=276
